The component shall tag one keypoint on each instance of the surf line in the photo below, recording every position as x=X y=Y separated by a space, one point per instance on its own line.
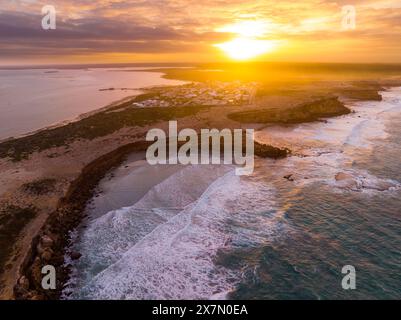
x=210 y=139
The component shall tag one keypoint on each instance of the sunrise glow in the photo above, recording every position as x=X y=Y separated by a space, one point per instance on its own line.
x=249 y=41
x=244 y=49
x=201 y=31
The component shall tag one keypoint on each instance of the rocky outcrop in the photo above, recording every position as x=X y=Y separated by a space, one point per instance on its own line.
x=289 y=177
x=359 y=183
x=345 y=180
x=48 y=247
x=75 y=255
x=362 y=95
x=267 y=151
x=307 y=112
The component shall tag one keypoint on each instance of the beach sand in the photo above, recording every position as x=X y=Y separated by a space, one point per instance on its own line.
x=127 y=184
x=65 y=163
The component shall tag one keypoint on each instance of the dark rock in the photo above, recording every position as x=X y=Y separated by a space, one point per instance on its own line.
x=47 y=254
x=36 y=271
x=46 y=241
x=347 y=181
x=75 y=255
x=289 y=177
x=20 y=293
x=267 y=151
x=23 y=282
x=343 y=176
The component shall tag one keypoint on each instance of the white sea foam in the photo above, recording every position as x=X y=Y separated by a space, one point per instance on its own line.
x=109 y=236
x=165 y=245
x=335 y=146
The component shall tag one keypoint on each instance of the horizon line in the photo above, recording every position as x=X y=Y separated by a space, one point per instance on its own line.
x=172 y=64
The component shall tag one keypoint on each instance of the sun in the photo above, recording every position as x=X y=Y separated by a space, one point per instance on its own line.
x=248 y=43
x=244 y=48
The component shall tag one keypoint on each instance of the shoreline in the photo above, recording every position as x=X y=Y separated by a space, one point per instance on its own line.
x=77 y=96
x=80 y=117
x=50 y=245
x=64 y=219
x=90 y=174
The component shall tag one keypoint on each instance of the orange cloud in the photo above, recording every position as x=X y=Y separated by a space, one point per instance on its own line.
x=167 y=30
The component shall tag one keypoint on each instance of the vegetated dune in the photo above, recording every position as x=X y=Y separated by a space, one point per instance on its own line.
x=307 y=112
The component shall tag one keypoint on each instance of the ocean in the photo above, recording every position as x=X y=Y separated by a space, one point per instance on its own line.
x=201 y=232
x=32 y=99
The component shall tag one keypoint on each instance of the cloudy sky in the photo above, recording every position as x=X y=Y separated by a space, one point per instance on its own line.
x=105 y=31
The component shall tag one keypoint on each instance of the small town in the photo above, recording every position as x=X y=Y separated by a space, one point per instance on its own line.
x=200 y=94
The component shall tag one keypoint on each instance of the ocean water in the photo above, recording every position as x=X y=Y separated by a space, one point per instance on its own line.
x=31 y=99
x=202 y=232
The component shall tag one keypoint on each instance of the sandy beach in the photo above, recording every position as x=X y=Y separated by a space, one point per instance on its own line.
x=210 y=158
x=91 y=148
x=202 y=214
